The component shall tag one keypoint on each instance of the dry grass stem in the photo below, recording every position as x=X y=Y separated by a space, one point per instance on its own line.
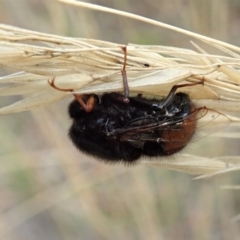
x=94 y=66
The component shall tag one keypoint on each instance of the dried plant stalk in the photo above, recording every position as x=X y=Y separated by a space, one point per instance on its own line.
x=94 y=66
x=88 y=66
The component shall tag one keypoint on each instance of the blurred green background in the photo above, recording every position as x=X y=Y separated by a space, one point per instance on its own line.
x=48 y=190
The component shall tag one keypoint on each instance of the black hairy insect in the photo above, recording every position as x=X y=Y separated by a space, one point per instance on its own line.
x=117 y=131
x=118 y=128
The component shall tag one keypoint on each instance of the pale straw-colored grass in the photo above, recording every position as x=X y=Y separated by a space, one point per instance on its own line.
x=94 y=66
x=103 y=201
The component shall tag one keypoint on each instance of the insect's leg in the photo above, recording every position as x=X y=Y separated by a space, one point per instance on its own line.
x=165 y=102
x=125 y=97
x=90 y=102
x=52 y=84
x=124 y=76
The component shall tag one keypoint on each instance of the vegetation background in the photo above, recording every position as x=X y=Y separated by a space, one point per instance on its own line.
x=51 y=191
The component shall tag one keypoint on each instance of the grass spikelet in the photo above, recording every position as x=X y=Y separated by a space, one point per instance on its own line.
x=94 y=66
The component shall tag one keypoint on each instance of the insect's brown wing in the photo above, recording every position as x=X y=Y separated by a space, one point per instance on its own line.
x=210 y=122
x=175 y=131
x=143 y=130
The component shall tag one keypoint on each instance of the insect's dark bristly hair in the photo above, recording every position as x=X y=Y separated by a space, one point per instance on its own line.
x=118 y=132
x=119 y=128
